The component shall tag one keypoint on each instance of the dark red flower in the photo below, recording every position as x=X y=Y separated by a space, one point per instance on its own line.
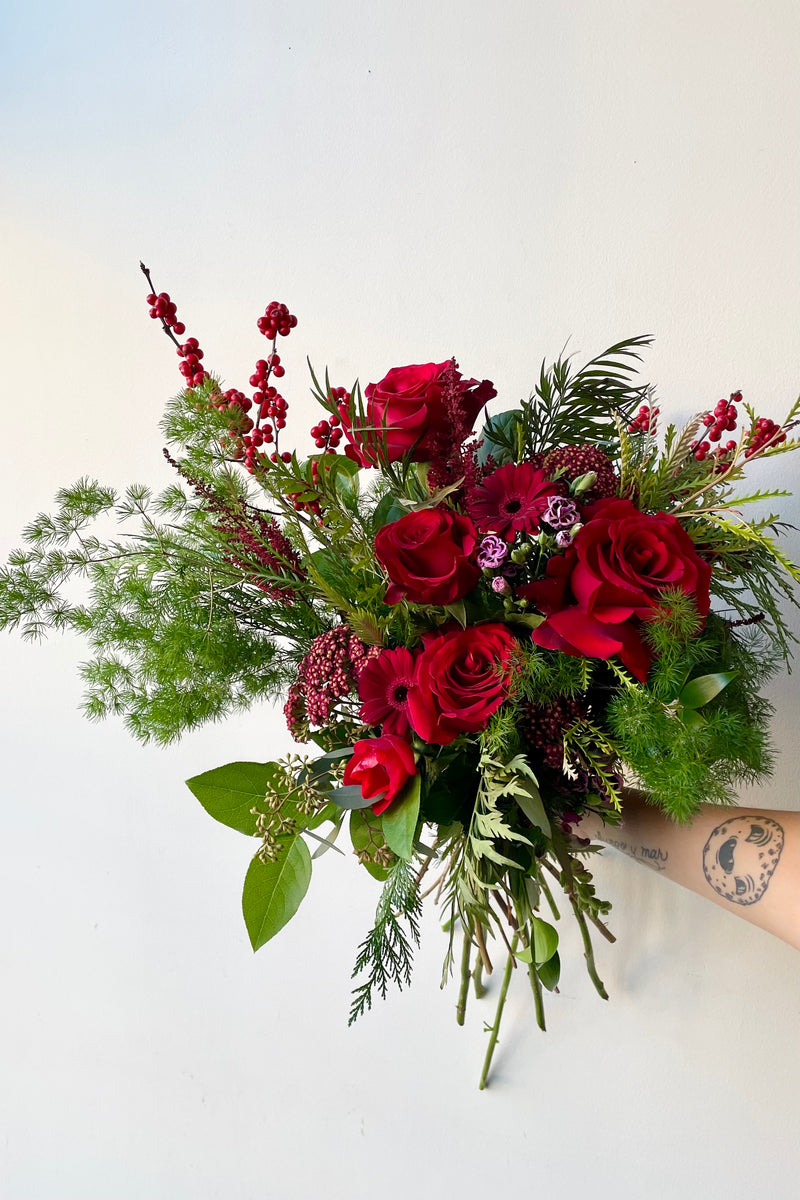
x=382 y=766
x=614 y=574
x=383 y=688
x=409 y=409
x=511 y=500
x=462 y=677
x=427 y=556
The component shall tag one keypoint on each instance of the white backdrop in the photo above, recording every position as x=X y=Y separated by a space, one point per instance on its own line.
x=415 y=180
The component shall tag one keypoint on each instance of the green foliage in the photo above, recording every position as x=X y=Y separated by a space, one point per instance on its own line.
x=369 y=844
x=179 y=634
x=684 y=764
x=400 y=820
x=386 y=954
x=274 y=889
x=493 y=843
x=579 y=407
x=232 y=794
x=752 y=575
x=544 y=675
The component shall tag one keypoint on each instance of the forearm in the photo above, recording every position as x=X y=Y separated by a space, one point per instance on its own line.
x=746 y=860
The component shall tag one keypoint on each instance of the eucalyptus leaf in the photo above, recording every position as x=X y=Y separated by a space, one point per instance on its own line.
x=229 y=793
x=545 y=940
x=699 y=691
x=322 y=765
x=350 y=796
x=326 y=843
x=273 y=891
x=400 y=820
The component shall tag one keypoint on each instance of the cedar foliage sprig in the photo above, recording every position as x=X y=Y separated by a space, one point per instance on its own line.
x=387 y=952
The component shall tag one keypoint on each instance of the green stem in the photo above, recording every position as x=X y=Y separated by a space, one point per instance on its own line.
x=588 y=952
x=477 y=979
x=461 y=1007
x=549 y=896
x=536 y=988
x=501 y=1000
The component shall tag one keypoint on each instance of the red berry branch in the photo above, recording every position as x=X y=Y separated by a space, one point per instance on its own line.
x=245 y=436
x=645 y=421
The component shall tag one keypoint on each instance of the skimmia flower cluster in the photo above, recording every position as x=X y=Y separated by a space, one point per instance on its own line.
x=482 y=628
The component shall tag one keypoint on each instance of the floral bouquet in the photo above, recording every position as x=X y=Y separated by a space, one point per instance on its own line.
x=479 y=638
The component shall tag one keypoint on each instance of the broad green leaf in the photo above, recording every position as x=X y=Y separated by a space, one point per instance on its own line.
x=400 y=819
x=528 y=798
x=458 y=611
x=550 y=972
x=324 y=564
x=529 y=620
x=273 y=890
x=691 y=718
x=524 y=955
x=229 y=793
x=350 y=796
x=343 y=471
x=366 y=834
x=387 y=511
x=495 y=433
x=545 y=940
x=699 y=691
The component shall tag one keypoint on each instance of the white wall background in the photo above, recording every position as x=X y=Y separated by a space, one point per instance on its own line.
x=415 y=180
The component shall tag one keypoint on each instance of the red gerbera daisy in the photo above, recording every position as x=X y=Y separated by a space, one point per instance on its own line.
x=383 y=689
x=511 y=500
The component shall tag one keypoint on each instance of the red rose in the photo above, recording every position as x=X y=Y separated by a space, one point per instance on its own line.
x=616 y=570
x=462 y=677
x=427 y=557
x=417 y=406
x=382 y=766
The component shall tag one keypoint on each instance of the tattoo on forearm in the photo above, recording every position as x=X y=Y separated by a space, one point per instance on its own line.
x=740 y=857
x=651 y=856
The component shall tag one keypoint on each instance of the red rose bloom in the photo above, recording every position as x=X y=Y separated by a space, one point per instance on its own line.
x=383 y=689
x=427 y=557
x=511 y=500
x=462 y=677
x=615 y=571
x=383 y=767
x=409 y=408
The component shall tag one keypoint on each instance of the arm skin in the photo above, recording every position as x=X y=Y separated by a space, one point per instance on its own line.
x=744 y=859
